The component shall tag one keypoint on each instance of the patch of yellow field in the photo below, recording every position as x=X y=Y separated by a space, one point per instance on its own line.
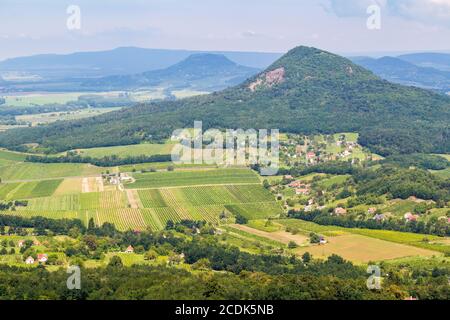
x=363 y=249
x=69 y=186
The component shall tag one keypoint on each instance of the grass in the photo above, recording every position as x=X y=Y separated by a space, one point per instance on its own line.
x=162 y=166
x=255 y=211
x=30 y=100
x=336 y=180
x=358 y=248
x=146 y=149
x=192 y=178
x=253 y=237
x=28 y=190
x=45 y=118
x=445 y=174
x=36 y=171
x=422 y=241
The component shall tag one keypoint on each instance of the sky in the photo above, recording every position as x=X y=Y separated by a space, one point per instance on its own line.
x=341 y=26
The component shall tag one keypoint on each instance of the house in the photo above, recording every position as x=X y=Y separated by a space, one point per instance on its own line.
x=36 y=243
x=323 y=241
x=295 y=184
x=372 y=210
x=302 y=191
x=411 y=217
x=29 y=260
x=379 y=217
x=310 y=155
x=288 y=177
x=340 y=211
x=311 y=202
x=21 y=243
x=130 y=249
x=308 y=208
x=42 y=257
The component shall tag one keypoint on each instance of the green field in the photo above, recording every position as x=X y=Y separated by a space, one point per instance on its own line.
x=30 y=100
x=146 y=149
x=44 y=118
x=36 y=171
x=192 y=178
x=255 y=210
x=28 y=190
x=150 y=208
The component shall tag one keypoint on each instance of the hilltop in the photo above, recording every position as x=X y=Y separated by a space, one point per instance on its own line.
x=306 y=91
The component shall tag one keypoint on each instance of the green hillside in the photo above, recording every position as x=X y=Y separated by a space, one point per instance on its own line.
x=307 y=91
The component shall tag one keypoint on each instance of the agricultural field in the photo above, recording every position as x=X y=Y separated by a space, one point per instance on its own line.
x=162 y=166
x=277 y=236
x=28 y=190
x=35 y=171
x=36 y=99
x=45 y=118
x=362 y=249
x=192 y=178
x=146 y=149
x=419 y=241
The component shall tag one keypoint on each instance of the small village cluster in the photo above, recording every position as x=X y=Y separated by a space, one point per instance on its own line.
x=314 y=153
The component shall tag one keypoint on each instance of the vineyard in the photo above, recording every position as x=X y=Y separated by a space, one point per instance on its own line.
x=170 y=196
x=192 y=178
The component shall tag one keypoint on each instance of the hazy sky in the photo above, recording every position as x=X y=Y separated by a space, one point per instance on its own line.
x=40 y=26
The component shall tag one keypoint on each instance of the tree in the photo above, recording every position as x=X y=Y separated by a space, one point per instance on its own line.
x=91 y=224
x=150 y=255
x=240 y=219
x=115 y=262
x=314 y=238
x=306 y=257
x=292 y=245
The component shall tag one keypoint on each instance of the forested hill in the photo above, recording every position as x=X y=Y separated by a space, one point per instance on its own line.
x=306 y=91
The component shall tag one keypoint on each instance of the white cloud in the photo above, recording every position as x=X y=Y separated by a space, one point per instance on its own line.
x=435 y=12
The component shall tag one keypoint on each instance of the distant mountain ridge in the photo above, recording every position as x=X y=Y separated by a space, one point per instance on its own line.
x=306 y=91
x=406 y=73
x=440 y=61
x=120 y=61
x=200 y=72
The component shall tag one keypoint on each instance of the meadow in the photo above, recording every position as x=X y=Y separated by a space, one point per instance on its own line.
x=36 y=171
x=362 y=249
x=45 y=118
x=146 y=149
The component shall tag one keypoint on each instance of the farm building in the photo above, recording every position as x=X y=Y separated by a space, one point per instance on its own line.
x=411 y=217
x=130 y=249
x=29 y=260
x=302 y=191
x=340 y=211
x=42 y=257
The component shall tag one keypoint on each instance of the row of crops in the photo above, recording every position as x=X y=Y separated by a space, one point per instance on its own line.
x=28 y=190
x=203 y=196
x=192 y=178
x=82 y=201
